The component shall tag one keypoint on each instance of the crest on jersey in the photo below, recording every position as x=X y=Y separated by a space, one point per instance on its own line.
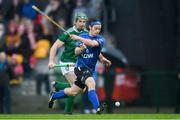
x=87 y=51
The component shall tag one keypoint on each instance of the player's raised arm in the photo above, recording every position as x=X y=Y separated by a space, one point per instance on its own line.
x=87 y=42
x=104 y=60
x=53 y=51
x=94 y=29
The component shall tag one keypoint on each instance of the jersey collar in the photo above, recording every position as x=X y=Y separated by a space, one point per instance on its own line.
x=75 y=29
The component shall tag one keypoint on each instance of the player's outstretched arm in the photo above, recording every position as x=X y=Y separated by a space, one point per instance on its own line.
x=87 y=42
x=104 y=60
x=53 y=51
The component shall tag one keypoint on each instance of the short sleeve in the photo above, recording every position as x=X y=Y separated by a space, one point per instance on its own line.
x=82 y=35
x=101 y=42
x=63 y=37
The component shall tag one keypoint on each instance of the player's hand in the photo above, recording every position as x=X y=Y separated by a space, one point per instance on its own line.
x=51 y=65
x=83 y=46
x=106 y=62
x=74 y=37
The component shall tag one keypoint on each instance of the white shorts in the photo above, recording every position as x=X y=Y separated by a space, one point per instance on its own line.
x=65 y=70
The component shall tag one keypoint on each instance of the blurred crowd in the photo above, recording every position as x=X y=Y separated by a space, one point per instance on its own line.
x=26 y=36
x=25 y=40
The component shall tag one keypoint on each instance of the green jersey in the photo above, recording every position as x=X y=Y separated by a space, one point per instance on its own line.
x=68 y=54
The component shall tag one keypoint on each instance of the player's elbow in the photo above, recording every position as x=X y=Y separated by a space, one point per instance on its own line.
x=53 y=49
x=77 y=51
x=55 y=46
x=58 y=43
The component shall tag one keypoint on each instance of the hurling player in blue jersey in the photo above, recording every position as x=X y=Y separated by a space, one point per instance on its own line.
x=88 y=49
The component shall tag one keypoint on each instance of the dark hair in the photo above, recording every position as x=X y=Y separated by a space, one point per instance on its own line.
x=92 y=20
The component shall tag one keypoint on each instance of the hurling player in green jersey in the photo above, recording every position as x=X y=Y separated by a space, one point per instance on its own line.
x=68 y=57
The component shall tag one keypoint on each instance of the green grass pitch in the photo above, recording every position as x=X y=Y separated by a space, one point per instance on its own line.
x=92 y=117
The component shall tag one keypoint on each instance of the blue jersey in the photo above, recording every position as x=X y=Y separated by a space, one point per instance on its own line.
x=88 y=58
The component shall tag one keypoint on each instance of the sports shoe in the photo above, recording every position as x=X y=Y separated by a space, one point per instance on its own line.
x=51 y=100
x=93 y=111
x=53 y=83
x=67 y=113
x=101 y=108
x=86 y=111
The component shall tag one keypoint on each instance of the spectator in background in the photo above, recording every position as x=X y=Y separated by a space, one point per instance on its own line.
x=69 y=5
x=12 y=39
x=27 y=10
x=80 y=8
x=0 y=4
x=6 y=74
x=40 y=53
x=42 y=76
x=15 y=9
x=18 y=70
x=95 y=8
x=2 y=30
x=30 y=32
x=38 y=28
x=61 y=22
x=56 y=10
x=5 y=6
x=27 y=44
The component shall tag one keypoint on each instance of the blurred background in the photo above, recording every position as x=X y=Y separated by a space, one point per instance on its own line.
x=142 y=41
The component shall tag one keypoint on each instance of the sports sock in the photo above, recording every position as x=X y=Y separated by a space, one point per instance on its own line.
x=93 y=98
x=85 y=100
x=70 y=99
x=69 y=104
x=59 y=95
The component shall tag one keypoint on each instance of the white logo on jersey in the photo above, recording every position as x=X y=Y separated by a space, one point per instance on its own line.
x=88 y=55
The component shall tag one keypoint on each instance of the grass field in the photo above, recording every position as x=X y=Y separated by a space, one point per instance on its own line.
x=92 y=117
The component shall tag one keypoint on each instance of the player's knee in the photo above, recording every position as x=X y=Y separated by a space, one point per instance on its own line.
x=67 y=91
x=71 y=92
x=74 y=93
x=90 y=83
